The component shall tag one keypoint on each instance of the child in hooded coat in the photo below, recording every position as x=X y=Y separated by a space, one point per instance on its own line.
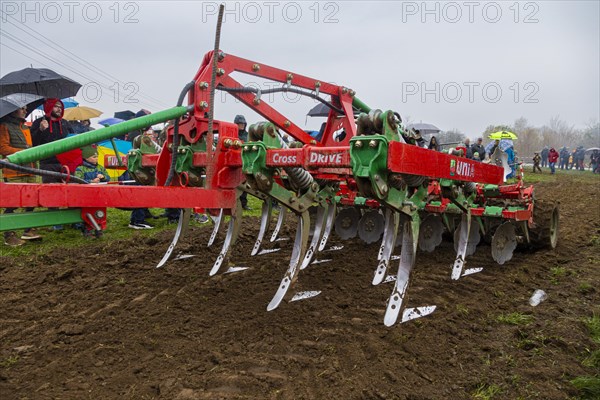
x=90 y=171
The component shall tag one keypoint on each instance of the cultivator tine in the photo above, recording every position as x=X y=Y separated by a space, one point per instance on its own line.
x=319 y=224
x=392 y=221
x=328 y=225
x=233 y=229
x=265 y=220
x=463 y=232
x=182 y=225
x=504 y=242
x=291 y=274
x=280 y=222
x=397 y=303
x=216 y=227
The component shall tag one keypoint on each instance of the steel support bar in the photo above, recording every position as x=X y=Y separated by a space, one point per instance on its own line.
x=408 y=159
x=14 y=221
x=71 y=195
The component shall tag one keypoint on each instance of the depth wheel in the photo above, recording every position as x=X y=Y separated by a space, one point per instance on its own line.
x=544 y=230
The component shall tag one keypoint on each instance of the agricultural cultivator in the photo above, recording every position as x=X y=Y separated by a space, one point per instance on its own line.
x=364 y=176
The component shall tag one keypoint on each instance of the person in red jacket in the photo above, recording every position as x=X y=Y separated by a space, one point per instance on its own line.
x=552 y=158
x=49 y=128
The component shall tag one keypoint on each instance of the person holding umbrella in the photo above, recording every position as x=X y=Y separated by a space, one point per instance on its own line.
x=15 y=136
x=49 y=128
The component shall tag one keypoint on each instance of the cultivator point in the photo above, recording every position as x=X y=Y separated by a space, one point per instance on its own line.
x=364 y=177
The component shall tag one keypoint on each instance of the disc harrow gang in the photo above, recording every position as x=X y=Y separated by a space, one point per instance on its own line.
x=365 y=176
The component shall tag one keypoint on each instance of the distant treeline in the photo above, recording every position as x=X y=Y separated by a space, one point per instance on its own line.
x=557 y=133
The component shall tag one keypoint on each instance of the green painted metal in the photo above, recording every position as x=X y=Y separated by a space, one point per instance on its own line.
x=116 y=150
x=491 y=190
x=360 y=201
x=14 y=221
x=492 y=211
x=358 y=104
x=134 y=160
x=368 y=158
x=391 y=132
x=73 y=142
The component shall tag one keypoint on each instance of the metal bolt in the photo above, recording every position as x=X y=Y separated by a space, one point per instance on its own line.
x=246 y=148
x=352 y=93
x=287 y=123
x=373 y=144
x=203 y=85
x=99 y=214
x=317 y=84
x=227 y=142
x=220 y=72
x=290 y=77
x=344 y=90
x=254 y=148
x=256 y=102
x=358 y=144
x=313 y=141
x=255 y=67
x=377 y=177
x=292 y=199
x=203 y=104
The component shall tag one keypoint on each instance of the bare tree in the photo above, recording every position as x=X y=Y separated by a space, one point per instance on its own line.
x=452 y=136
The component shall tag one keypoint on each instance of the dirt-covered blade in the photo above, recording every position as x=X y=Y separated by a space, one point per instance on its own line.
x=265 y=220
x=182 y=226
x=233 y=229
x=392 y=220
x=217 y=225
x=300 y=244
x=397 y=301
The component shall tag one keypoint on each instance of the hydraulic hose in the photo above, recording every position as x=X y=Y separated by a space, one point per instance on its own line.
x=37 y=171
x=171 y=173
x=282 y=89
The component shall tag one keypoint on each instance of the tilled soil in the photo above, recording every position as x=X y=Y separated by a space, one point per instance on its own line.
x=103 y=323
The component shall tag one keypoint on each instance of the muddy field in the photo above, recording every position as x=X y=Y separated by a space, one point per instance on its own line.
x=103 y=323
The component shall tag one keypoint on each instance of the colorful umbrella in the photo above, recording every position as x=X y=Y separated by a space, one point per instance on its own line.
x=68 y=102
x=503 y=135
x=105 y=148
x=110 y=121
x=81 y=113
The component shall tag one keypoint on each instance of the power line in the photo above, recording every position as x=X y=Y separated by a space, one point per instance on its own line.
x=77 y=59
x=57 y=62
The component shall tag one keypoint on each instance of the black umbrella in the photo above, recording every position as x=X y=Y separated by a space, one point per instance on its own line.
x=321 y=110
x=424 y=129
x=124 y=115
x=15 y=101
x=40 y=81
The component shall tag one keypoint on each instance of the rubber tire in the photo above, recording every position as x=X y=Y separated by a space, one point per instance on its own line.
x=544 y=230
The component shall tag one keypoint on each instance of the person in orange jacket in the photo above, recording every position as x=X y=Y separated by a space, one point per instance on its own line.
x=14 y=137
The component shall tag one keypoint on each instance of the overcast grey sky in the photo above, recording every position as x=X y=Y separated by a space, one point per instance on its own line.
x=459 y=65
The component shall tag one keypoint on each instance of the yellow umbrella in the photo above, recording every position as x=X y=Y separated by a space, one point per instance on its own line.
x=81 y=113
x=503 y=135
